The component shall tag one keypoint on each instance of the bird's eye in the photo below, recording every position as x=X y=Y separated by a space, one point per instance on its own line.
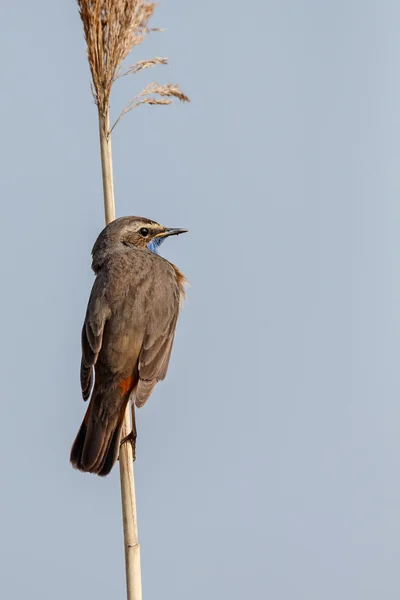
x=144 y=232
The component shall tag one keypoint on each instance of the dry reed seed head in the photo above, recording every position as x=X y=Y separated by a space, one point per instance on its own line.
x=144 y=64
x=112 y=28
x=167 y=94
x=171 y=90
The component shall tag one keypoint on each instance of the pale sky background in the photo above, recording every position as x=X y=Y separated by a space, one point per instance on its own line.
x=269 y=459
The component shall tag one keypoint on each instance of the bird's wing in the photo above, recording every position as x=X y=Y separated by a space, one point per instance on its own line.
x=156 y=351
x=97 y=314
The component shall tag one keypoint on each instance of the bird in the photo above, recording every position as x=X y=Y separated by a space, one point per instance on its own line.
x=127 y=334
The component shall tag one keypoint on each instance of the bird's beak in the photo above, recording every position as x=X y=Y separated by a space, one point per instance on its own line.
x=168 y=231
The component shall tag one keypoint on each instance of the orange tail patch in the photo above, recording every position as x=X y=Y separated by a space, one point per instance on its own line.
x=126 y=385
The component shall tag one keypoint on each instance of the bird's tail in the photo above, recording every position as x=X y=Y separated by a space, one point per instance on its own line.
x=96 y=447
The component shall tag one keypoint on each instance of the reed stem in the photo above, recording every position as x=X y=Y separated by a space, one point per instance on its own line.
x=107 y=166
x=128 y=496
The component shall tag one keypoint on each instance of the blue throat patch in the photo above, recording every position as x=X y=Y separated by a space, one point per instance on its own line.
x=155 y=244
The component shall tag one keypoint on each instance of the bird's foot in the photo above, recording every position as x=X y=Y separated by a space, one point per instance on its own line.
x=131 y=437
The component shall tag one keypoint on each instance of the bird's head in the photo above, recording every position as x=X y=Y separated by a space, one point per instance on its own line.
x=143 y=233
x=132 y=231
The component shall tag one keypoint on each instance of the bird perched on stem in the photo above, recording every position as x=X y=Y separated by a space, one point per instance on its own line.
x=127 y=335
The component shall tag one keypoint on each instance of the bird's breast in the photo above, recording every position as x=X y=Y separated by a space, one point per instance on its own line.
x=181 y=281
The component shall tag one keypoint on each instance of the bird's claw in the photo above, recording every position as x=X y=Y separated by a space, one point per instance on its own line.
x=131 y=437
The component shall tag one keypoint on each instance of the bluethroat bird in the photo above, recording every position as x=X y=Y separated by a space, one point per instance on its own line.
x=127 y=334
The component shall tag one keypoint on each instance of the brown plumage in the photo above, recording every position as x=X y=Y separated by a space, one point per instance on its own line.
x=127 y=335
